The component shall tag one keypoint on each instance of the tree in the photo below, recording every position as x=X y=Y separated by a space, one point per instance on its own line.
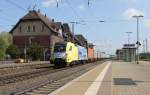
x=144 y=55
x=13 y=51
x=34 y=51
x=2 y=48
x=5 y=41
x=6 y=37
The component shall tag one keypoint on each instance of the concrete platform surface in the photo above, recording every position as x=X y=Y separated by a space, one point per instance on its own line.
x=110 y=78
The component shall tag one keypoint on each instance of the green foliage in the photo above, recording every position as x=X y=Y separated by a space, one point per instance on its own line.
x=145 y=56
x=5 y=41
x=35 y=51
x=6 y=37
x=13 y=51
x=2 y=49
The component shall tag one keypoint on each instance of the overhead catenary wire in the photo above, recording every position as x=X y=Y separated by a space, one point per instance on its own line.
x=89 y=2
x=5 y=17
x=73 y=10
x=17 y=5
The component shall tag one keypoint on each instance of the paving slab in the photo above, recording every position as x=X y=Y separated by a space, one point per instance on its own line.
x=130 y=79
x=121 y=78
x=84 y=83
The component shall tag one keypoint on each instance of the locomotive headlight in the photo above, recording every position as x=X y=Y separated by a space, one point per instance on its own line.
x=64 y=55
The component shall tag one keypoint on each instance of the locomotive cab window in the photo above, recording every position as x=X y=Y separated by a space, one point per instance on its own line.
x=60 y=48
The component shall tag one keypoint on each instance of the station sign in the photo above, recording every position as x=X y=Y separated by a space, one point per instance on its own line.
x=129 y=46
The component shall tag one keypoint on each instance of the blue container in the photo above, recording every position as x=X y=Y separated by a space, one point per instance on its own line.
x=82 y=53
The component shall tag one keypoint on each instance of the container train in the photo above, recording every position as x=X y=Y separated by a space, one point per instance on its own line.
x=68 y=54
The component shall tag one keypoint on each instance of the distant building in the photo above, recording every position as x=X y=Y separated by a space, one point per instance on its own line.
x=127 y=53
x=119 y=53
x=35 y=27
x=68 y=36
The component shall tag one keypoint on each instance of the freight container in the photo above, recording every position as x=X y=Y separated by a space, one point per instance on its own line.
x=90 y=54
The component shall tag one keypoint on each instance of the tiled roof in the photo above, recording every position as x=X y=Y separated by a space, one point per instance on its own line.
x=34 y=15
x=81 y=37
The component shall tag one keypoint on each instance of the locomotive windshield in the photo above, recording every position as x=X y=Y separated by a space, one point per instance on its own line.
x=60 y=47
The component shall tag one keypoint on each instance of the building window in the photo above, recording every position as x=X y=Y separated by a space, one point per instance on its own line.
x=33 y=28
x=28 y=30
x=42 y=28
x=20 y=29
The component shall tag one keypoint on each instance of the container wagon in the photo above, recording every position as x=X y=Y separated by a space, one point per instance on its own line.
x=82 y=55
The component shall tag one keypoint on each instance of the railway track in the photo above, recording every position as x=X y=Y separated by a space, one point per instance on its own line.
x=50 y=86
x=27 y=75
x=21 y=76
x=13 y=78
x=45 y=78
x=16 y=68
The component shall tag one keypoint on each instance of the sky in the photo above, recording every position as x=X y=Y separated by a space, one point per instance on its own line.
x=107 y=36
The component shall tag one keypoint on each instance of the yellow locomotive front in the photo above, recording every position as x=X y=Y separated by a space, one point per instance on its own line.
x=65 y=54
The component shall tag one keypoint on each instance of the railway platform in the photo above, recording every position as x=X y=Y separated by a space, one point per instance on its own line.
x=110 y=78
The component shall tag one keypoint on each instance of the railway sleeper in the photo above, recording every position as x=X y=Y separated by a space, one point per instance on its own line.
x=41 y=91
x=31 y=93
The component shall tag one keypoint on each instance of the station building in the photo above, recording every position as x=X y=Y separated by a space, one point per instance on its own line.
x=36 y=27
x=127 y=53
x=119 y=54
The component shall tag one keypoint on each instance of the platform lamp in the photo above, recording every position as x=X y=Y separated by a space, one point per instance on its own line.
x=138 y=43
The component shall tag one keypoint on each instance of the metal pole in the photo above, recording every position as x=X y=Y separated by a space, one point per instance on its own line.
x=97 y=55
x=138 y=43
x=137 y=40
x=143 y=46
x=129 y=53
x=128 y=36
x=73 y=29
x=25 y=52
x=128 y=39
x=146 y=45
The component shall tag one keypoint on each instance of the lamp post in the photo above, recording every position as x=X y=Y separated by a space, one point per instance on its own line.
x=138 y=43
x=128 y=33
x=129 y=52
x=73 y=27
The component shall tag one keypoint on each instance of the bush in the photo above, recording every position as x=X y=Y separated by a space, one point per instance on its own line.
x=35 y=51
x=145 y=56
x=5 y=41
x=13 y=51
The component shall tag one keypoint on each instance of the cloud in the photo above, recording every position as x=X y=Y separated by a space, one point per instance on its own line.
x=81 y=7
x=129 y=13
x=49 y=3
